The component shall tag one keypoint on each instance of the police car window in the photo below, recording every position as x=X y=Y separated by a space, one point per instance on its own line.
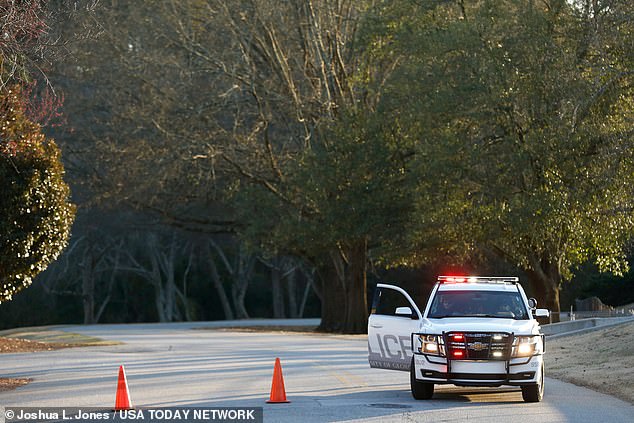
x=389 y=300
x=495 y=304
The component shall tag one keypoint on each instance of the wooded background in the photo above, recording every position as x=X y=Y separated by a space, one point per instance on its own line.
x=250 y=158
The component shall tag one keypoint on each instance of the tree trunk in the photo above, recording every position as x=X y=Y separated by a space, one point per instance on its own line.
x=331 y=292
x=291 y=284
x=112 y=280
x=157 y=282
x=167 y=265
x=183 y=294
x=545 y=279
x=170 y=298
x=217 y=282
x=552 y=304
x=88 y=287
x=276 y=290
x=356 y=289
x=238 y=302
x=242 y=272
x=344 y=304
x=310 y=283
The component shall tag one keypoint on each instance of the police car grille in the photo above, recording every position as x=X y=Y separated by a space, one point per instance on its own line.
x=481 y=346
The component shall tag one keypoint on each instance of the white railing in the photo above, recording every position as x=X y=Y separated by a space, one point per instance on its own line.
x=576 y=315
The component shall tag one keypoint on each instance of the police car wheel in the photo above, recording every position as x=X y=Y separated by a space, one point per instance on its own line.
x=534 y=393
x=420 y=390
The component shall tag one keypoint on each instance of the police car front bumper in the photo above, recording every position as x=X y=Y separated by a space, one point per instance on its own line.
x=515 y=372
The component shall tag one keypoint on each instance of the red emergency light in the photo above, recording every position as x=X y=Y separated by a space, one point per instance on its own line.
x=476 y=279
x=453 y=279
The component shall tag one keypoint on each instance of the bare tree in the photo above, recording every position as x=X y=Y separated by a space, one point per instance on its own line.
x=196 y=100
x=156 y=261
x=240 y=270
x=290 y=71
x=284 y=285
x=31 y=41
x=88 y=270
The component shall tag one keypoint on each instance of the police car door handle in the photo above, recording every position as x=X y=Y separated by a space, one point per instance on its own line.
x=376 y=326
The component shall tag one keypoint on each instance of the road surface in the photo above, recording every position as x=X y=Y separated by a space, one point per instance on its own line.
x=327 y=379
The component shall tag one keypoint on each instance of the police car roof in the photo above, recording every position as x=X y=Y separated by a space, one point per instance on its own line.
x=477 y=286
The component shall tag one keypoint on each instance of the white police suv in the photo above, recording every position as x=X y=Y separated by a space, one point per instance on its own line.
x=475 y=331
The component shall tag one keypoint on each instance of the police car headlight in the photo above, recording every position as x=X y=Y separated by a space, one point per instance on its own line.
x=526 y=346
x=429 y=344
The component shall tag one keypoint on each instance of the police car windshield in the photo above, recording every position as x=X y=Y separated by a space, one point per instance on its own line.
x=495 y=304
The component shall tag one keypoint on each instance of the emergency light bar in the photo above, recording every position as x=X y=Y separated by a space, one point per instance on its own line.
x=478 y=279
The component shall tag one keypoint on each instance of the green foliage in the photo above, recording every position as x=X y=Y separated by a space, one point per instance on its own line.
x=523 y=111
x=351 y=187
x=35 y=213
x=500 y=126
x=357 y=183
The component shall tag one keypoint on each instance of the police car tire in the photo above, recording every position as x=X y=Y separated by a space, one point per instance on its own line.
x=420 y=390
x=534 y=393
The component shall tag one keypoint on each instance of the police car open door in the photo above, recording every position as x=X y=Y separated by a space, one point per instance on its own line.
x=393 y=319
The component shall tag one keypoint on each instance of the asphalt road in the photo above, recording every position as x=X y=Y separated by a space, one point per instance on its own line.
x=327 y=379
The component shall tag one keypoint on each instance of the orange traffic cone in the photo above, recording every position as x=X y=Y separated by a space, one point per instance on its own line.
x=278 y=394
x=122 y=401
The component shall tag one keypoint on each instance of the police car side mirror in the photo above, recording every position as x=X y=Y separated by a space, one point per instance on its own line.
x=404 y=312
x=542 y=312
x=532 y=303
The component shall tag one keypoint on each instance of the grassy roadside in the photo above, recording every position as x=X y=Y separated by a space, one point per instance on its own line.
x=50 y=335
x=602 y=360
x=23 y=340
